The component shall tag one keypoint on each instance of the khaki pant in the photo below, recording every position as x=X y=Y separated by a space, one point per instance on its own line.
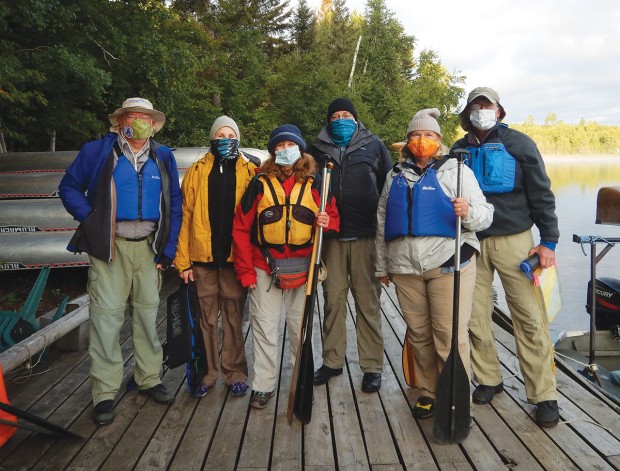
x=534 y=348
x=220 y=291
x=132 y=277
x=265 y=313
x=351 y=264
x=427 y=304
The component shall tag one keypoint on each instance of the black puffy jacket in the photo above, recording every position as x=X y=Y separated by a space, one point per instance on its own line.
x=357 y=179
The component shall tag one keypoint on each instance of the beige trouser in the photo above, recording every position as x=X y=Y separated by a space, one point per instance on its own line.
x=220 y=291
x=534 y=348
x=132 y=277
x=351 y=264
x=427 y=304
x=265 y=312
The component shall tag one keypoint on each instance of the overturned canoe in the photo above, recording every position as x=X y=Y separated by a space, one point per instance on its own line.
x=30 y=250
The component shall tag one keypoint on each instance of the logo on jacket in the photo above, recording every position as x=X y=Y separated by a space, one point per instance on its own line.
x=155 y=177
x=431 y=188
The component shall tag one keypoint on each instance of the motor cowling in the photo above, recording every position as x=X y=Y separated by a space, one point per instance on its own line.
x=607 y=303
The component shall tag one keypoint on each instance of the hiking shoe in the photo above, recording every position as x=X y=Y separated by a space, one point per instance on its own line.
x=371 y=382
x=200 y=391
x=484 y=394
x=424 y=408
x=260 y=399
x=547 y=413
x=324 y=373
x=158 y=393
x=238 y=389
x=102 y=412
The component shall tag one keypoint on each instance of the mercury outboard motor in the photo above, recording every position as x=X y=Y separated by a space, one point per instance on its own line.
x=607 y=303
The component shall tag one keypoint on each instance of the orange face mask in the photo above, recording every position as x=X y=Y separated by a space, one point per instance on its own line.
x=423 y=147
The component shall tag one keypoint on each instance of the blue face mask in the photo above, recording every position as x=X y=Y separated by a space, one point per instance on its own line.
x=288 y=156
x=342 y=130
x=225 y=148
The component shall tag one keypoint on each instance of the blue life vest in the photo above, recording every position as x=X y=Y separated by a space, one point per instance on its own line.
x=422 y=211
x=494 y=168
x=137 y=193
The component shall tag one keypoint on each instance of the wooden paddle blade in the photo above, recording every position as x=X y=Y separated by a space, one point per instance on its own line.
x=305 y=384
x=408 y=364
x=452 y=403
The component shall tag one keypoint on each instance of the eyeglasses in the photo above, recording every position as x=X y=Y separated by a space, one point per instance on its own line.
x=140 y=116
x=482 y=106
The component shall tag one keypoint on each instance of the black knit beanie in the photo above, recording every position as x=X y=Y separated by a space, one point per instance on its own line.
x=341 y=104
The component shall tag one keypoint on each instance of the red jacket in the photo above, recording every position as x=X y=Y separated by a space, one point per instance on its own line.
x=248 y=256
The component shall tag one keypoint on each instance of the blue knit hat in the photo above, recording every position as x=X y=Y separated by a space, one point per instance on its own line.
x=286 y=132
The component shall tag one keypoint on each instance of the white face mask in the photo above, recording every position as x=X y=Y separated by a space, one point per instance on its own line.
x=288 y=156
x=483 y=119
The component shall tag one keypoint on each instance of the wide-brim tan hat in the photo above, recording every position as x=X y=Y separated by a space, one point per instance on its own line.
x=139 y=105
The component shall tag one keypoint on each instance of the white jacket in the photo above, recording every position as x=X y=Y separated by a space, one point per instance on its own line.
x=416 y=255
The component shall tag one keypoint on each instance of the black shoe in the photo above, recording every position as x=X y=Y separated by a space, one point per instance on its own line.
x=371 y=382
x=424 y=408
x=158 y=393
x=547 y=413
x=102 y=412
x=324 y=373
x=484 y=394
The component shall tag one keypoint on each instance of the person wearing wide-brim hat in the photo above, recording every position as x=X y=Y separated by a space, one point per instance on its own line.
x=124 y=190
x=275 y=221
x=512 y=176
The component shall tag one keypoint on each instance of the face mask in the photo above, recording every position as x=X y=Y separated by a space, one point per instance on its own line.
x=138 y=129
x=225 y=148
x=423 y=147
x=287 y=157
x=483 y=119
x=342 y=130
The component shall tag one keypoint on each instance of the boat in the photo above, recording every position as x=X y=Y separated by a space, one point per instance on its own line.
x=595 y=354
x=34 y=226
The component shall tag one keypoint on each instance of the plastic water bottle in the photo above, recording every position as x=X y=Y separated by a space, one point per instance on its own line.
x=530 y=264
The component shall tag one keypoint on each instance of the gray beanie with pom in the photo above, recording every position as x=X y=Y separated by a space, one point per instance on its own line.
x=425 y=120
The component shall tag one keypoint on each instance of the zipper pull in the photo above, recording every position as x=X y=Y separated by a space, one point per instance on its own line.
x=221 y=168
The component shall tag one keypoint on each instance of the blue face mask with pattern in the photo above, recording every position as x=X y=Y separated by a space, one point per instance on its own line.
x=225 y=148
x=341 y=131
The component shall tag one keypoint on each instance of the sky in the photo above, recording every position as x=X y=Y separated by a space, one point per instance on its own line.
x=541 y=56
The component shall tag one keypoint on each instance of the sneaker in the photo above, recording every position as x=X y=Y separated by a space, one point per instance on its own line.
x=200 y=391
x=261 y=399
x=102 y=412
x=484 y=394
x=238 y=389
x=547 y=413
x=158 y=393
x=324 y=373
x=424 y=408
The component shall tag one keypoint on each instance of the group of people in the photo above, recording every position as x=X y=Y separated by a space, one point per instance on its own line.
x=236 y=226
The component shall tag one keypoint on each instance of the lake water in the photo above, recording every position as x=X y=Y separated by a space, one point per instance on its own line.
x=575 y=180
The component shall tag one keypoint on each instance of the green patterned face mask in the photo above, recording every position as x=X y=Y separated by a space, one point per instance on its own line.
x=138 y=129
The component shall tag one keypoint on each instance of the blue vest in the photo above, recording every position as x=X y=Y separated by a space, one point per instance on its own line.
x=422 y=211
x=494 y=167
x=137 y=193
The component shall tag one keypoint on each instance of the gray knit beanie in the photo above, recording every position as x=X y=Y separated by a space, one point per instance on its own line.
x=220 y=123
x=425 y=120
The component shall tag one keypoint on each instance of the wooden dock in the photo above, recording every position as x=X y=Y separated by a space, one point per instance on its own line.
x=350 y=430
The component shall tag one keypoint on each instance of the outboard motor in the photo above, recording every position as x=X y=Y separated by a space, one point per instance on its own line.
x=607 y=303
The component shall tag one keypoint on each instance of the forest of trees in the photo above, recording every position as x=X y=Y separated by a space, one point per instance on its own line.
x=66 y=64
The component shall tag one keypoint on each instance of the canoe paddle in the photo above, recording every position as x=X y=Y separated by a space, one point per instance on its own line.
x=452 y=418
x=302 y=379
